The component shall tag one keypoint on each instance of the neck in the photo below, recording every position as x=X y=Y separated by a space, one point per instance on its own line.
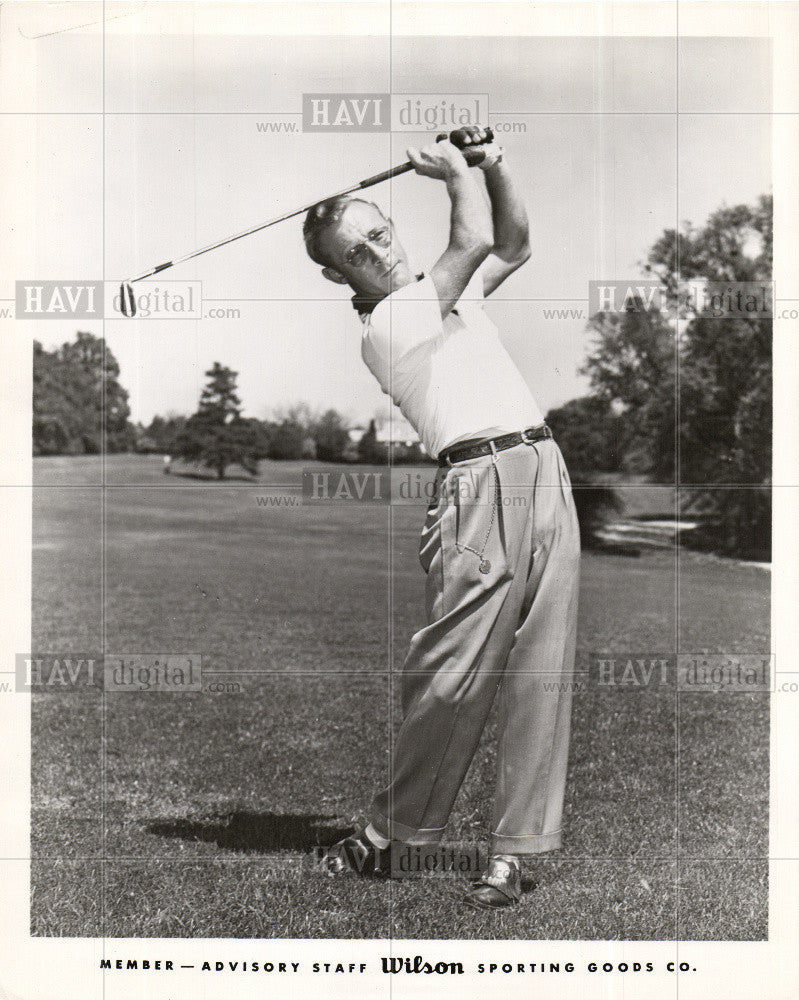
x=365 y=302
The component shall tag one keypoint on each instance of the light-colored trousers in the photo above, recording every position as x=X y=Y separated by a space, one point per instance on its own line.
x=510 y=629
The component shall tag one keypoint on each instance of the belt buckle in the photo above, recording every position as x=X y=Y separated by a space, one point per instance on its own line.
x=545 y=433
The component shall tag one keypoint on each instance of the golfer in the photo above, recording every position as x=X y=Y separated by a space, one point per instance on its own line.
x=500 y=544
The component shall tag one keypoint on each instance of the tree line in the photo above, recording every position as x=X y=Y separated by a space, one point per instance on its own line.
x=679 y=395
x=80 y=408
x=217 y=435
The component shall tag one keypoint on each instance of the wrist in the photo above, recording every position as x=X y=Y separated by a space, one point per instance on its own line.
x=494 y=165
x=456 y=172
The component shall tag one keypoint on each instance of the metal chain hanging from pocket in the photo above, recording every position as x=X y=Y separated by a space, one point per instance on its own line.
x=485 y=564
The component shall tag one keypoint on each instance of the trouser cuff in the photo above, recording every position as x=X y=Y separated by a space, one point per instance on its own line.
x=392 y=830
x=529 y=844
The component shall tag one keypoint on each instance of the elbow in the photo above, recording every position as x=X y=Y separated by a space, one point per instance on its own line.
x=475 y=246
x=483 y=248
x=515 y=255
x=482 y=243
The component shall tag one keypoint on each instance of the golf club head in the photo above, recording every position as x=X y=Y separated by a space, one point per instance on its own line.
x=127 y=301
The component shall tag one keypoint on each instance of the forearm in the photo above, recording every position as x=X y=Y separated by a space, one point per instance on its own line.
x=471 y=235
x=511 y=231
x=471 y=231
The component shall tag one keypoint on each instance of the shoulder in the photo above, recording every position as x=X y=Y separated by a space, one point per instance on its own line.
x=367 y=307
x=403 y=320
x=415 y=298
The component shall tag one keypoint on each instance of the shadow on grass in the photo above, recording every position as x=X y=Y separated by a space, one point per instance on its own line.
x=255 y=832
x=612 y=548
x=211 y=477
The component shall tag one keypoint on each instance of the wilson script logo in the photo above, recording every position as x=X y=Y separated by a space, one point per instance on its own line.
x=418 y=965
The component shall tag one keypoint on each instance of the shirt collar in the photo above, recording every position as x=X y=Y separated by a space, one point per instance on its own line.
x=365 y=304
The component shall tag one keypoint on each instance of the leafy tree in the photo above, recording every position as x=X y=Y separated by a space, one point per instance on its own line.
x=696 y=388
x=370 y=450
x=164 y=431
x=725 y=389
x=592 y=439
x=79 y=405
x=288 y=440
x=721 y=251
x=590 y=435
x=330 y=436
x=59 y=420
x=217 y=436
x=291 y=432
x=633 y=367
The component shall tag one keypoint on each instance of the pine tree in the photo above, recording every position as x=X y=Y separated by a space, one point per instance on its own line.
x=217 y=436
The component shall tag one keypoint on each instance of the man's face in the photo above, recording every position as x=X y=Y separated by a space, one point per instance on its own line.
x=363 y=248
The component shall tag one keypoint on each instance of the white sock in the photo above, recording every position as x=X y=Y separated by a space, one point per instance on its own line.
x=511 y=859
x=380 y=842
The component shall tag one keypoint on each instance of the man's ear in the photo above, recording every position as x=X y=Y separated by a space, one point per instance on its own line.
x=333 y=275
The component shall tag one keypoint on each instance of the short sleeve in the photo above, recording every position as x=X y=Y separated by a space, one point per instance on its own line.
x=404 y=320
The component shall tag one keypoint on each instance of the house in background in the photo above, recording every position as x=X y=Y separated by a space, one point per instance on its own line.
x=391 y=432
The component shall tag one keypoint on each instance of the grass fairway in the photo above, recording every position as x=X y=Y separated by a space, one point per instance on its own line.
x=168 y=815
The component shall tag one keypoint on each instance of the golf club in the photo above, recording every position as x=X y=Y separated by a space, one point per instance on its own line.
x=474 y=154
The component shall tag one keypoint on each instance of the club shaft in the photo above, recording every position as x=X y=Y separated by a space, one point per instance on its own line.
x=359 y=186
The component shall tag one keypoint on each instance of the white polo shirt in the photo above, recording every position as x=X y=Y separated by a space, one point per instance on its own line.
x=451 y=378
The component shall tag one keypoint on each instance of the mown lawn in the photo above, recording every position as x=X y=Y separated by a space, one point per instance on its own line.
x=193 y=815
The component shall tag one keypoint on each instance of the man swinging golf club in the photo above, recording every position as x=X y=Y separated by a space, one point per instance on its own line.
x=502 y=578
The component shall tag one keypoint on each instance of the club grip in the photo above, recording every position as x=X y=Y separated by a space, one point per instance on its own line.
x=473 y=154
x=386 y=175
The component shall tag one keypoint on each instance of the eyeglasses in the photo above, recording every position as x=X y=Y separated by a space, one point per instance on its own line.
x=358 y=255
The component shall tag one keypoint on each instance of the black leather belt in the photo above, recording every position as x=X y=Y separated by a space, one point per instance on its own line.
x=465 y=450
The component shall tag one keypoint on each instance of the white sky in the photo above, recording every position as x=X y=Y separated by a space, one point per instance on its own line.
x=605 y=165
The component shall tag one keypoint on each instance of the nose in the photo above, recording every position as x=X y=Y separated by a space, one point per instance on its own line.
x=379 y=254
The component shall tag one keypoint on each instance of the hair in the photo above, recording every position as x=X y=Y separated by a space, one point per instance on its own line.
x=322 y=217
